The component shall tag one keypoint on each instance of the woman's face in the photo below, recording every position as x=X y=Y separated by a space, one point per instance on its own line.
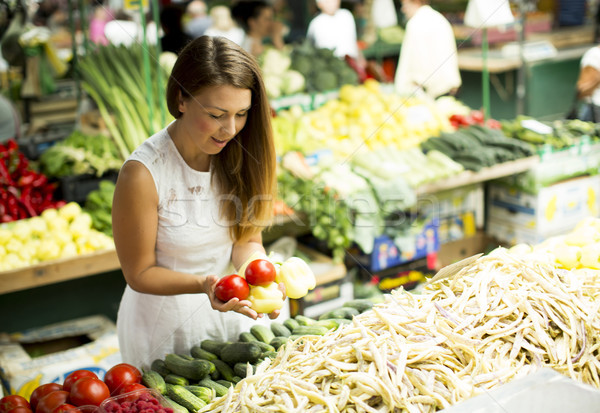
x=410 y=7
x=214 y=116
x=262 y=24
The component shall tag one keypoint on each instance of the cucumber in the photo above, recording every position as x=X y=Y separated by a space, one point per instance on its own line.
x=204 y=393
x=176 y=379
x=247 y=337
x=240 y=369
x=330 y=324
x=160 y=367
x=214 y=375
x=213 y=346
x=291 y=324
x=280 y=330
x=262 y=333
x=153 y=380
x=236 y=379
x=278 y=342
x=211 y=384
x=177 y=408
x=240 y=352
x=342 y=312
x=361 y=304
x=303 y=320
x=269 y=354
x=224 y=369
x=194 y=369
x=264 y=347
x=225 y=383
x=313 y=330
x=184 y=397
x=199 y=353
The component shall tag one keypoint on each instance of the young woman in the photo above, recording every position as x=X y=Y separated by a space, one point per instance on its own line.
x=190 y=201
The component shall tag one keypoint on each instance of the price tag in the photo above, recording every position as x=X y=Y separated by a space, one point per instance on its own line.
x=536 y=126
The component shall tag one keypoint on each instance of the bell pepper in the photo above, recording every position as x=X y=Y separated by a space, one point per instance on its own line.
x=266 y=299
x=297 y=277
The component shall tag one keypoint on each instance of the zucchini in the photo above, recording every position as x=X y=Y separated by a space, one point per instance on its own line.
x=247 y=337
x=216 y=387
x=278 y=342
x=264 y=347
x=224 y=369
x=184 y=397
x=194 y=369
x=241 y=352
x=361 y=304
x=280 y=330
x=291 y=324
x=240 y=369
x=160 y=367
x=262 y=333
x=177 y=408
x=225 y=383
x=199 y=353
x=313 y=330
x=213 y=346
x=172 y=378
x=153 y=380
x=204 y=393
x=303 y=320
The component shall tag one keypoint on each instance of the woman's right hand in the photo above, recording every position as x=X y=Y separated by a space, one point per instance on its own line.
x=235 y=304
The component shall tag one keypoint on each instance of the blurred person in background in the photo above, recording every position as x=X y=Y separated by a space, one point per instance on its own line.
x=334 y=28
x=197 y=19
x=223 y=25
x=100 y=16
x=428 y=63
x=260 y=27
x=122 y=30
x=174 y=38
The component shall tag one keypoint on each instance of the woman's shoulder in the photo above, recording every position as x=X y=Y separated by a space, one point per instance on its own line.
x=156 y=145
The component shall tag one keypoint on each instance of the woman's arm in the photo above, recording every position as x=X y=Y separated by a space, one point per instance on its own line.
x=135 y=225
x=242 y=251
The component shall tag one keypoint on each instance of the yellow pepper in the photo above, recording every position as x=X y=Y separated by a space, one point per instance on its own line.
x=266 y=299
x=297 y=277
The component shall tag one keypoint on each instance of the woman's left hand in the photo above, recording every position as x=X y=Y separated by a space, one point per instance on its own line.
x=235 y=304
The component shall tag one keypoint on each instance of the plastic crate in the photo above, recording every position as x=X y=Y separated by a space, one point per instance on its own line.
x=76 y=188
x=35 y=144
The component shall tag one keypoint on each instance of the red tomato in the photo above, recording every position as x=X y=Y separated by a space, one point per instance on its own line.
x=117 y=377
x=19 y=409
x=66 y=407
x=11 y=401
x=232 y=286
x=477 y=116
x=51 y=401
x=76 y=375
x=260 y=272
x=88 y=390
x=132 y=391
x=41 y=391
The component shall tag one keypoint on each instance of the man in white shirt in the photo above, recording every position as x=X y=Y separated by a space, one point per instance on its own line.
x=428 y=62
x=334 y=28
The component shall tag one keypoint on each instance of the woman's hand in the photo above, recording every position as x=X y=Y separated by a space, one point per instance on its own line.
x=274 y=314
x=235 y=304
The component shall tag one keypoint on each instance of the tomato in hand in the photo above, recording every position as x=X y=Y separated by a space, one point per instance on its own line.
x=260 y=272
x=232 y=286
x=41 y=391
x=120 y=375
x=66 y=407
x=51 y=401
x=88 y=390
x=11 y=401
x=76 y=375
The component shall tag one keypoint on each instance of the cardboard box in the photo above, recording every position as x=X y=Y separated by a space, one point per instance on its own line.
x=460 y=211
x=457 y=250
x=515 y=216
x=86 y=343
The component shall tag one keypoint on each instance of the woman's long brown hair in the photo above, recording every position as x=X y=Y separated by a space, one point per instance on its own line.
x=244 y=170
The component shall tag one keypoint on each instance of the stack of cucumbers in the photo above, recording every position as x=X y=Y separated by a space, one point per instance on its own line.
x=190 y=382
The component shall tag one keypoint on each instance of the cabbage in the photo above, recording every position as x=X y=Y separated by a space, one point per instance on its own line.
x=292 y=82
